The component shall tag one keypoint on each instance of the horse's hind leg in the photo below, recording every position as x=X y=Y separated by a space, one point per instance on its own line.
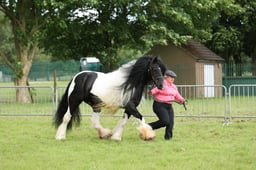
x=102 y=132
x=72 y=114
x=61 y=132
x=118 y=130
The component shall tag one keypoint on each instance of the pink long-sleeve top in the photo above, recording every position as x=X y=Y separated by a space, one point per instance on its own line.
x=167 y=94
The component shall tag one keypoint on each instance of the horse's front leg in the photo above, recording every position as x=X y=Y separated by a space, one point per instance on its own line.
x=145 y=131
x=118 y=130
x=103 y=133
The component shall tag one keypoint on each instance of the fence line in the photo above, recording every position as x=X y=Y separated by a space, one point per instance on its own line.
x=238 y=101
x=242 y=100
x=43 y=97
x=204 y=101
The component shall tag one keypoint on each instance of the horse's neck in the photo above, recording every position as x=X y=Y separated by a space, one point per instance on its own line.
x=137 y=95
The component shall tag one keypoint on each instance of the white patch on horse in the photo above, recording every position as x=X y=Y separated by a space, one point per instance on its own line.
x=108 y=87
x=72 y=86
x=95 y=119
x=102 y=132
x=118 y=130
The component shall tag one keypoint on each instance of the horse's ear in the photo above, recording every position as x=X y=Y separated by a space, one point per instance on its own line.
x=158 y=57
x=154 y=59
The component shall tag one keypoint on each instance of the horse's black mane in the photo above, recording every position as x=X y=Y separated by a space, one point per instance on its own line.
x=139 y=75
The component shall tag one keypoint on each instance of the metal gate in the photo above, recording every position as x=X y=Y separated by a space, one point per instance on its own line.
x=42 y=101
x=242 y=101
x=238 y=101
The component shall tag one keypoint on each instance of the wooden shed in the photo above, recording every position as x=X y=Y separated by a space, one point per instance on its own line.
x=194 y=64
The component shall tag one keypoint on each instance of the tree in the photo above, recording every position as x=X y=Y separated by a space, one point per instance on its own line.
x=233 y=36
x=74 y=29
x=6 y=45
x=27 y=19
x=249 y=27
x=101 y=28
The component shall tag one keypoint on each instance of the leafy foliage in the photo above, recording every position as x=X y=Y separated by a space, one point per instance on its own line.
x=73 y=29
x=233 y=37
x=101 y=28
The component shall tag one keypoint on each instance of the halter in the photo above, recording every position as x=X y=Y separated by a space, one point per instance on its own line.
x=154 y=71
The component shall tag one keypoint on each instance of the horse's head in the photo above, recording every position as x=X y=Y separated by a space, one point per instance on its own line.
x=157 y=70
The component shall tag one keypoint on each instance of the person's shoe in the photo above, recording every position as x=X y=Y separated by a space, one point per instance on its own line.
x=167 y=138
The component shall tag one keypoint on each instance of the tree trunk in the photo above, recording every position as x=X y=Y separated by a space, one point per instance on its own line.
x=22 y=93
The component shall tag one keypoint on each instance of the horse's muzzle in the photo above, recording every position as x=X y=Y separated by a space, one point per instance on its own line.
x=160 y=86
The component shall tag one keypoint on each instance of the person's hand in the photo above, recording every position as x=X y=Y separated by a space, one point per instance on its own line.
x=184 y=103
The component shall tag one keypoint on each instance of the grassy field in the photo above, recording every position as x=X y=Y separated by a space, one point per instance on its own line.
x=27 y=143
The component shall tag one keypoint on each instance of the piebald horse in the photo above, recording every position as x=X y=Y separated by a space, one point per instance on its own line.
x=120 y=89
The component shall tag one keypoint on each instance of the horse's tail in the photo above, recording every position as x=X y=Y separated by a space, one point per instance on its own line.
x=62 y=109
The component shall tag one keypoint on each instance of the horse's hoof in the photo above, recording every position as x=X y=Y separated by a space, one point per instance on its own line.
x=146 y=133
x=105 y=137
x=115 y=138
x=104 y=133
x=60 y=137
x=149 y=139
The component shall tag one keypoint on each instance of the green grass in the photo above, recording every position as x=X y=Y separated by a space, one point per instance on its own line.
x=28 y=143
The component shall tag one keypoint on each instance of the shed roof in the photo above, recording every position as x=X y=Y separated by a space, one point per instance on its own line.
x=201 y=52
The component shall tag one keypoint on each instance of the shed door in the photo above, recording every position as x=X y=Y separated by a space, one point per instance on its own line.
x=209 y=80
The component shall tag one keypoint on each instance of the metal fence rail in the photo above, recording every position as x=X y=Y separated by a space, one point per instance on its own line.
x=203 y=101
x=238 y=101
x=242 y=100
x=43 y=101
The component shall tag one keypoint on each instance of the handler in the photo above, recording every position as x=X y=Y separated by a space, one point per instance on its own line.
x=162 y=105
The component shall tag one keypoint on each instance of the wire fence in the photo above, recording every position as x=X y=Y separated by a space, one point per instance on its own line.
x=41 y=101
x=238 y=101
